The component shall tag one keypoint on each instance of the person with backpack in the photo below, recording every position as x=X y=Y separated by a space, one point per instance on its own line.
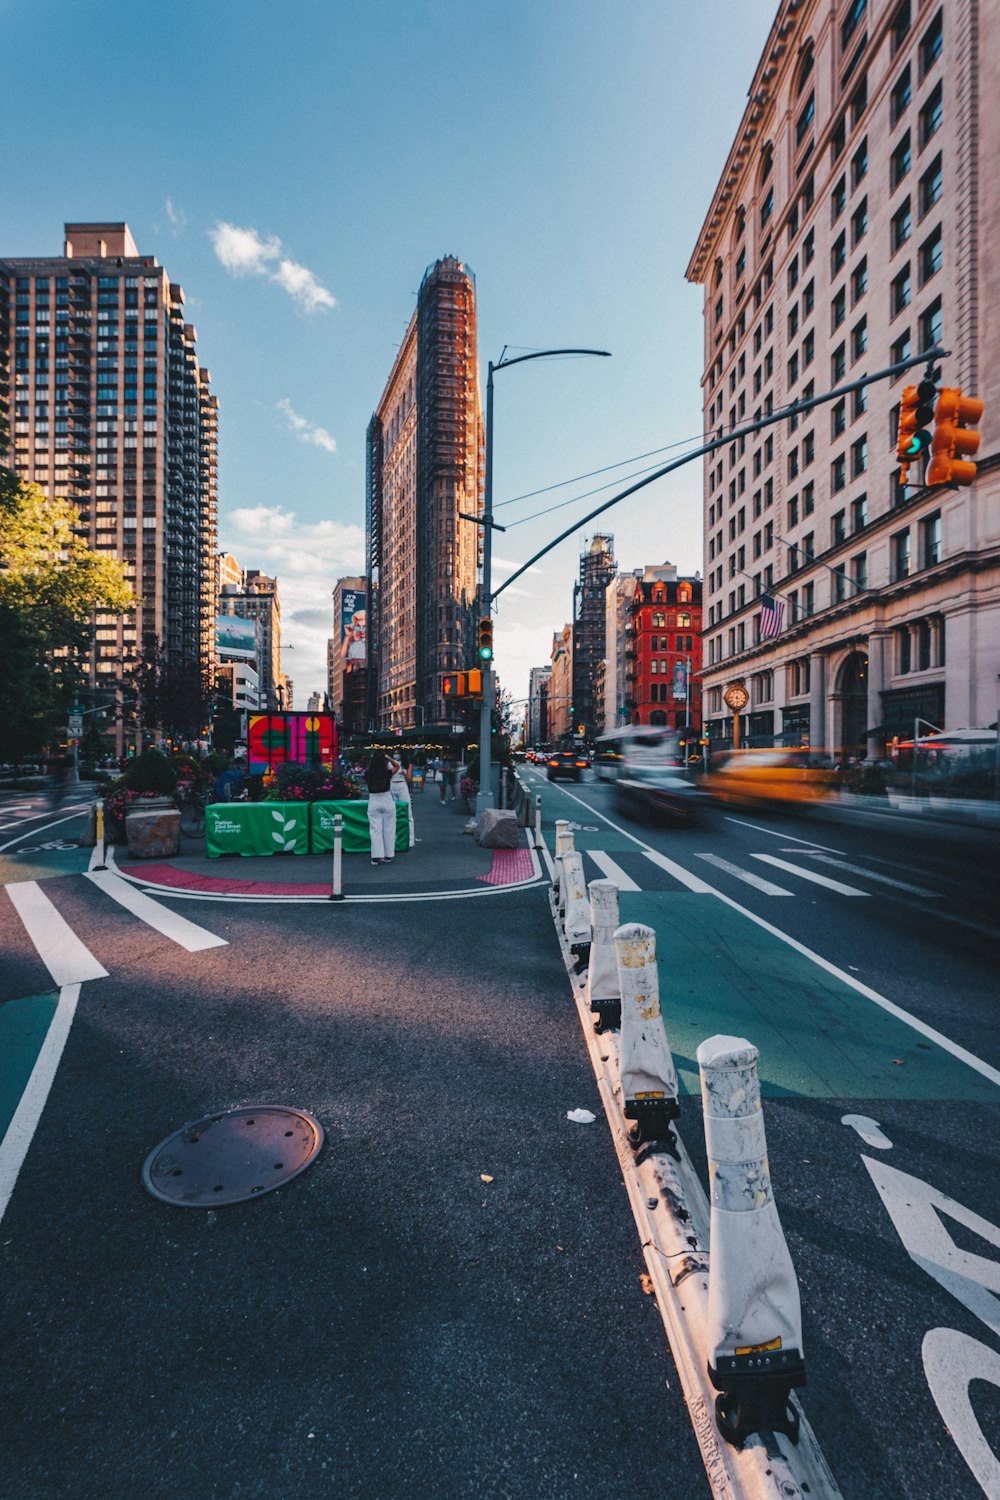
x=381 y=806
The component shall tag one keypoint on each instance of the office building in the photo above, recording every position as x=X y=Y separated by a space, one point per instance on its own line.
x=560 y=690
x=109 y=407
x=853 y=225
x=347 y=654
x=597 y=568
x=663 y=650
x=536 y=730
x=618 y=596
x=258 y=598
x=424 y=466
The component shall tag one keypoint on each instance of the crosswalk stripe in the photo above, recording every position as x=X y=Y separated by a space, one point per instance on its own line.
x=767 y=886
x=187 y=934
x=813 y=875
x=900 y=885
x=613 y=871
x=692 y=882
x=67 y=959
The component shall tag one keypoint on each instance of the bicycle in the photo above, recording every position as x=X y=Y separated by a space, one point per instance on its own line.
x=193 y=812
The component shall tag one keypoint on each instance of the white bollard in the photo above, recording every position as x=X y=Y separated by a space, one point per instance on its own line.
x=538 y=820
x=649 y=1079
x=754 y=1315
x=100 y=836
x=337 y=891
x=576 y=922
x=604 y=994
x=564 y=845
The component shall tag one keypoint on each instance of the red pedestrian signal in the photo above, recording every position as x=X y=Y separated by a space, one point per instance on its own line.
x=953 y=440
x=453 y=685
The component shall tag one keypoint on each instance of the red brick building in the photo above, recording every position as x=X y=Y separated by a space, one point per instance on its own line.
x=663 y=651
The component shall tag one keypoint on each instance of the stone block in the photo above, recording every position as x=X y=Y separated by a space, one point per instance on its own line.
x=153 y=834
x=497 y=829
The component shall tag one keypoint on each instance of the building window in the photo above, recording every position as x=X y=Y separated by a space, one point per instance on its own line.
x=838 y=418
x=838 y=255
x=859 y=281
x=901 y=226
x=808 y=600
x=808 y=298
x=806 y=116
x=859 y=570
x=930 y=186
x=793 y=511
x=930 y=539
x=838 y=474
x=900 y=350
x=899 y=294
x=859 y=163
x=793 y=321
x=767 y=207
x=859 y=457
x=793 y=273
x=903 y=658
x=901 y=555
x=838 y=528
x=930 y=44
x=900 y=25
x=859 y=402
x=930 y=256
x=901 y=95
x=859 y=339
x=859 y=99
x=851 y=21
x=931 y=327
x=899 y=162
x=859 y=513
x=838 y=309
x=808 y=349
x=859 y=222
x=931 y=115
x=809 y=247
x=838 y=140
x=808 y=450
x=838 y=363
x=838 y=199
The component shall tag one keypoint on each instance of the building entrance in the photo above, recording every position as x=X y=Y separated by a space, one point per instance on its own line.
x=852 y=693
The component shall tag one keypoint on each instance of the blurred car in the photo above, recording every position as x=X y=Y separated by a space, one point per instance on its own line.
x=745 y=777
x=661 y=794
x=566 y=763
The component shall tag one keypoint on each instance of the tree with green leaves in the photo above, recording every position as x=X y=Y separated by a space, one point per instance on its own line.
x=51 y=584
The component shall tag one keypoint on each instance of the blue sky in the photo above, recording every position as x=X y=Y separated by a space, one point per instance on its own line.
x=296 y=168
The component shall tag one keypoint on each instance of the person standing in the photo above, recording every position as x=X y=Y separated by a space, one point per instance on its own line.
x=381 y=806
x=399 y=786
x=447 y=776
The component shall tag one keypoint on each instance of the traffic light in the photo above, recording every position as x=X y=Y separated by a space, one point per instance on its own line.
x=952 y=438
x=916 y=408
x=474 y=683
x=486 y=641
x=453 y=685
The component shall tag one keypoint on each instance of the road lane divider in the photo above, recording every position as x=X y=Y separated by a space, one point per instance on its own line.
x=812 y=875
x=186 y=934
x=648 y=1075
x=880 y=879
x=747 y=876
x=67 y=958
x=754 y=1310
x=613 y=871
x=604 y=995
x=24 y=1121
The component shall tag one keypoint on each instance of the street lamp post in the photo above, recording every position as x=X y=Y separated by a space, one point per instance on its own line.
x=484 y=797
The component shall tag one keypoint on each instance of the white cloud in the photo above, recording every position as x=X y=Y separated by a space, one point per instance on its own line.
x=307 y=558
x=307 y=432
x=177 y=216
x=244 y=252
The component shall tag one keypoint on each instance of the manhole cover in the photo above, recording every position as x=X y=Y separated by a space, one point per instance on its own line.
x=230 y=1157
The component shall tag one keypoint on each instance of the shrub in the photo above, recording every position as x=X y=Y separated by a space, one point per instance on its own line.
x=151 y=771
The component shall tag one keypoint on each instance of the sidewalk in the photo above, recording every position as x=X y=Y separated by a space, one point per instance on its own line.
x=443 y=860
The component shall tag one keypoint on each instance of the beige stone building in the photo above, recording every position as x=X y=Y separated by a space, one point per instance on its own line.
x=109 y=407
x=855 y=223
x=560 y=698
x=424 y=466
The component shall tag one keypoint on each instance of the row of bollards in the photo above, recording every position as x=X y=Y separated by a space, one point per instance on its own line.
x=754 y=1321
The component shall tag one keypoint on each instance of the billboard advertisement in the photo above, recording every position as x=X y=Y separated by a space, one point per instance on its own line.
x=235 y=636
x=353 y=628
x=305 y=739
x=680 y=679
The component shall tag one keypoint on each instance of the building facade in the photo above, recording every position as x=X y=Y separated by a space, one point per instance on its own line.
x=560 y=692
x=853 y=225
x=536 y=720
x=348 y=653
x=109 y=408
x=259 y=599
x=663 y=652
x=597 y=568
x=424 y=466
x=618 y=596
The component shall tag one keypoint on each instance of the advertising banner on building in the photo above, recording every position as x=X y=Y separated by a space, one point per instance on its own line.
x=235 y=636
x=353 y=629
x=680 y=679
x=304 y=739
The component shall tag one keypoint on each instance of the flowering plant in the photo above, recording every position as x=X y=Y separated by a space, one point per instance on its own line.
x=468 y=786
x=122 y=801
x=294 y=783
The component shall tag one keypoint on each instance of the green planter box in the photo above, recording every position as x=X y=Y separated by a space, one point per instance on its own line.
x=357 y=839
x=256 y=828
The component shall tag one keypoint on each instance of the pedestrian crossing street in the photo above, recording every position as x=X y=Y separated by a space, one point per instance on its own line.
x=799 y=871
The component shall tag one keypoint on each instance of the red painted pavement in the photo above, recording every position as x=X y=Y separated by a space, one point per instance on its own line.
x=187 y=880
x=509 y=866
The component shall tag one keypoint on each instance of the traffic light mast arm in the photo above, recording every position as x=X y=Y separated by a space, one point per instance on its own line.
x=928 y=357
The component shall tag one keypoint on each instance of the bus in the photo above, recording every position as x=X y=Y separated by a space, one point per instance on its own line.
x=634 y=745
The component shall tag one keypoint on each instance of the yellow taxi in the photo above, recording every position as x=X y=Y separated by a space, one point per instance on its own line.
x=745 y=777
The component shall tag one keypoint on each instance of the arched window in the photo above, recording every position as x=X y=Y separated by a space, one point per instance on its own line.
x=717 y=279
x=766 y=163
x=805 y=67
x=684 y=619
x=741 y=222
x=684 y=593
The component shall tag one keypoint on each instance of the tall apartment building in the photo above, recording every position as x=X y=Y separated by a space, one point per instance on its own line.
x=618 y=596
x=597 y=568
x=258 y=598
x=560 y=692
x=536 y=720
x=424 y=466
x=854 y=224
x=109 y=407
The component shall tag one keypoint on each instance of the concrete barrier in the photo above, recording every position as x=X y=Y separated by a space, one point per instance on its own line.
x=604 y=994
x=648 y=1076
x=576 y=919
x=754 y=1314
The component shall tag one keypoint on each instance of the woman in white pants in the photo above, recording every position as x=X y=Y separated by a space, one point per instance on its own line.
x=381 y=807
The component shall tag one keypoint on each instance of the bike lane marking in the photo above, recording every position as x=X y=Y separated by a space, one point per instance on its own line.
x=612 y=871
x=35 y=1028
x=66 y=957
x=812 y=875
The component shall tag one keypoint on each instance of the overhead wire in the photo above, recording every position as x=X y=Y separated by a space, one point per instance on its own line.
x=585 y=494
x=592 y=474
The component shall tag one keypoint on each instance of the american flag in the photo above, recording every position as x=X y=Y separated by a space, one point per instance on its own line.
x=772 y=614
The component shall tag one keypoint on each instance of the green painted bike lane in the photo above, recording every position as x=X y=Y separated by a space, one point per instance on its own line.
x=818 y=1037
x=24 y=1025
x=590 y=831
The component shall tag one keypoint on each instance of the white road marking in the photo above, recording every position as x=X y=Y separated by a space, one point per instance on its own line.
x=767 y=886
x=67 y=959
x=187 y=935
x=781 y=834
x=24 y=1121
x=952 y=1361
x=869 y=1130
x=693 y=882
x=900 y=885
x=613 y=871
x=824 y=880
x=28 y=832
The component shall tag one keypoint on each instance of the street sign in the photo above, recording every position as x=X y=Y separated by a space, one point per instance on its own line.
x=75 y=724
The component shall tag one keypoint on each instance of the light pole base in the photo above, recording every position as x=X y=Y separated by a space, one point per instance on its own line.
x=483 y=801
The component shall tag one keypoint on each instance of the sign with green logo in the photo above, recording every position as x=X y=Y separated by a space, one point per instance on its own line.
x=256 y=828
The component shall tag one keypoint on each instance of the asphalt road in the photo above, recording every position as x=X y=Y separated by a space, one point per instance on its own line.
x=391 y=1322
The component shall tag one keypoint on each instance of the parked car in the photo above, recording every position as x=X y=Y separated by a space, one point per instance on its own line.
x=660 y=794
x=566 y=763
